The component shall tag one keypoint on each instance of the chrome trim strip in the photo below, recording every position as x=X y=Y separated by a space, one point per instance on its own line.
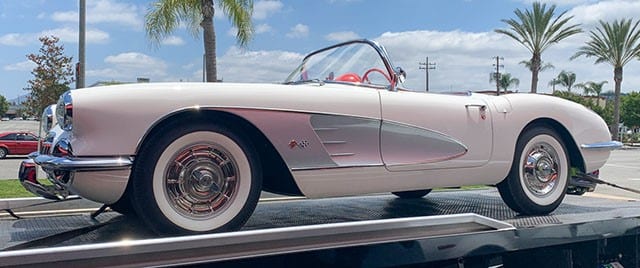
x=340 y=167
x=334 y=142
x=607 y=145
x=81 y=164
x=342 y=154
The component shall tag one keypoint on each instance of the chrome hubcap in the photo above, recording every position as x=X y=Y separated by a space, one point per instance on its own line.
x=541 y=169
x=201 y=181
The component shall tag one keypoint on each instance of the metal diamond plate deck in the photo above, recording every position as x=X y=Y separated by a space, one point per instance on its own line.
x=80 y=229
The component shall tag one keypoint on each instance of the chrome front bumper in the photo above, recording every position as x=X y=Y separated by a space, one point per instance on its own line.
x=80 y=164
x=608 y=145
x=101 y=179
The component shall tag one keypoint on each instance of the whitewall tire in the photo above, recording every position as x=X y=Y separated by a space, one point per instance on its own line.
x=537 y=181
x=202 y=178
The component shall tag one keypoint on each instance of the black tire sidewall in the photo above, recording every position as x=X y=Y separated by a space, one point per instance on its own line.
x=143 y=198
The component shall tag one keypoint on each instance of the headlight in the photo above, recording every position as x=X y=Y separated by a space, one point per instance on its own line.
x=64 y=111
x=47 y=120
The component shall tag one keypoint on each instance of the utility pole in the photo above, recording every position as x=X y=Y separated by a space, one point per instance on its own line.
x=426 y=66
x=80 y=66
x=496 y=75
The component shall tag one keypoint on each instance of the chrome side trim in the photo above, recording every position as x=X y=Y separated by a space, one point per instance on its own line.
x=81 y=163
x=607 y=145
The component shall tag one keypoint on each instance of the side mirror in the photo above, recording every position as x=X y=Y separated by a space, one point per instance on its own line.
x=401 y=74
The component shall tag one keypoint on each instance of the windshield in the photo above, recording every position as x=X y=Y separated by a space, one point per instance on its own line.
x=356 y=63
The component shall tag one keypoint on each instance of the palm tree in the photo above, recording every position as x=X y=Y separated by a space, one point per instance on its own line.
x=167 y=15
x=592 y=87
x=617 y=44
x=543 y=66
x=565 y=79
x=506 y=81
x=537 y=30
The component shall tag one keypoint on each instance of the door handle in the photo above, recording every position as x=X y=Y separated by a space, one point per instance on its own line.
x=482 y=107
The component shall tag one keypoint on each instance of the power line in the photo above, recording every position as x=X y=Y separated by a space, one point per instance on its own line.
x=426 y=66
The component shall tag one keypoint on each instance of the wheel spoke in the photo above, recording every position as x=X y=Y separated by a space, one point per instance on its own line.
x=207 y=183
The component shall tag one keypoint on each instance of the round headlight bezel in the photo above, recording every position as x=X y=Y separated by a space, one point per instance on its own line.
x=64 y=111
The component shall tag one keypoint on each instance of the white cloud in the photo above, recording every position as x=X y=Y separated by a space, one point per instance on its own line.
x=590 y=14
x=238 y=65
x=464 y=60
x=66 y=34
x=341 y=36
x=298 y=31
x=14 y=39
x=70 y=35
x=559 y=2
x=258 y=29
x=173 y=41
x=265 y=8
x=263 y=28
x=105 y=11
x=129 y=65
x=23 y=66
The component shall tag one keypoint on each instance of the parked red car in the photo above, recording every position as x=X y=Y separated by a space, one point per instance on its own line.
x=17 y=143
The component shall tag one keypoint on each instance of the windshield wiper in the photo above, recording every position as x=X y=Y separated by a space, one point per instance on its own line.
x=305 y=82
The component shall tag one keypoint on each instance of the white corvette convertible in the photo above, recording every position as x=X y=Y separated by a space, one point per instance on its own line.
x=194 y=157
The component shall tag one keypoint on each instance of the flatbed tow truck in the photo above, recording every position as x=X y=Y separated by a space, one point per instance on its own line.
x=472 y=228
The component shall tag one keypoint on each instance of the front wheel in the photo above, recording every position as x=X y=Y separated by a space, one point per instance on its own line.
x=537 y=181
x=200 y=178
x=3 y=153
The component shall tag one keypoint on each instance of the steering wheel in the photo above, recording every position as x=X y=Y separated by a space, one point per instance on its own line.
x=365 y=76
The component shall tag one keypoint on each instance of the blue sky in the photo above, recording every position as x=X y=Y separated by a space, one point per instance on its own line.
x=456 y=34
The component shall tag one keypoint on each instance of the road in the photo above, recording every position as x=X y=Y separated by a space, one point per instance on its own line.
x=623 y=168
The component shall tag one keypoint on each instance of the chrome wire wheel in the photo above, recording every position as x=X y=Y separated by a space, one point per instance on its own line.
x=201 y=181
x=540 y=169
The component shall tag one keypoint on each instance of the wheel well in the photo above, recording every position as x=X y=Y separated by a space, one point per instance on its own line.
x=276 y=175
x=575 y=157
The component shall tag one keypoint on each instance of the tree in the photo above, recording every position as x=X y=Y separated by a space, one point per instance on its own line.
x=167 y=15
x=506 y=81
x=565 y=79
x=52 y=75
x=543 y=65
x=630 y=106
x=592 y=87
x=4 y=105
x=616 y=43
x=537 y=30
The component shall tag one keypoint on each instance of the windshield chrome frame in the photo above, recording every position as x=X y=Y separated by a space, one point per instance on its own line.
x=382 y=52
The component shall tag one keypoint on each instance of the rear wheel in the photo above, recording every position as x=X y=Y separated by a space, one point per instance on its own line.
x=537 y=181
x=200 y=178
x=412 y=194
x=3 y=153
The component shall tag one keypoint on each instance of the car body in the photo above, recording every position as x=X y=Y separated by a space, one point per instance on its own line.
x=193 y=157
x=17 y=143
